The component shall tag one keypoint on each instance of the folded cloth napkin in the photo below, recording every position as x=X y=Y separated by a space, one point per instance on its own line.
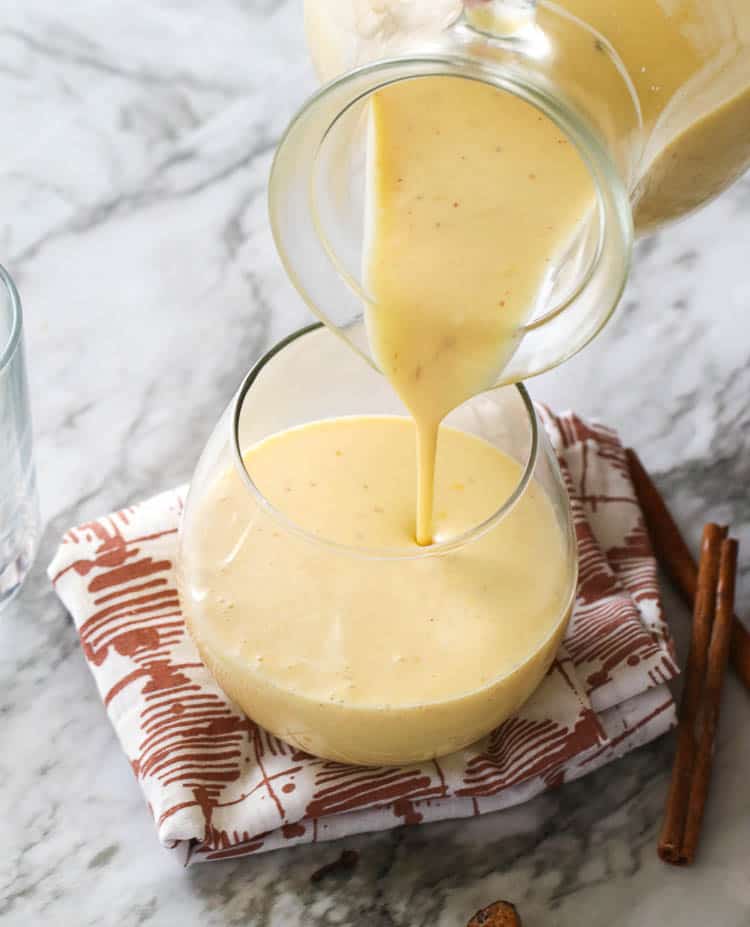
x=219 y=786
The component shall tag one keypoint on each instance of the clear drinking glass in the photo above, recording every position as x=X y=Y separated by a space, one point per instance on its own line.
x=312 y=376
x=19 y=507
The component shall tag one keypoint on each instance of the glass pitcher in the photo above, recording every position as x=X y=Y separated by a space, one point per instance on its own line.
x=655 y=99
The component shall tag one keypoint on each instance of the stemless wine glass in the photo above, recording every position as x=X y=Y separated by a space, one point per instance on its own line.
x=19 y=509
x=313 y=376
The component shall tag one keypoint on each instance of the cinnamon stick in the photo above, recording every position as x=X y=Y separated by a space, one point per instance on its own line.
x=676 y=559
x=673 y=827
x=709 y=715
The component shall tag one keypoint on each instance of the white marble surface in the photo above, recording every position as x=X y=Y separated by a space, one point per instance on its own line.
x=135 y=148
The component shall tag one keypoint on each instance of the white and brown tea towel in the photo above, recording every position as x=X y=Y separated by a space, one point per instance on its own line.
x=219 y=786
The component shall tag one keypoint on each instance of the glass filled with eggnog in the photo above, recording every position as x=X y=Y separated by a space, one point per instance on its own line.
x=311 y=597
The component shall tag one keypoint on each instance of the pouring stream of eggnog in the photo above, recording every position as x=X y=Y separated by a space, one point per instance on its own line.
x=467 y=212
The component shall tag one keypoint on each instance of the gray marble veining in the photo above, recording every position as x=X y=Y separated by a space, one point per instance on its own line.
x=135 y=149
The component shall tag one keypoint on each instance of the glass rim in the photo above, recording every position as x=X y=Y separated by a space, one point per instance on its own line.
x=433 y=550
x=8 y=350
